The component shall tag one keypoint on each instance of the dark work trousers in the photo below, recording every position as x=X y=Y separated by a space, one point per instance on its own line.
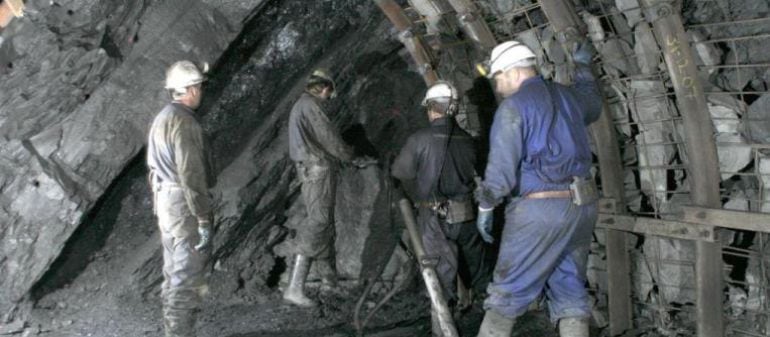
x=184 y=281
x=458 y=247
x=315 y=237
x=544 y=248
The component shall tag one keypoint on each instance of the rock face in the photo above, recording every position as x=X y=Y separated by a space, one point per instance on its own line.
x=60 y=155
x=245 y=111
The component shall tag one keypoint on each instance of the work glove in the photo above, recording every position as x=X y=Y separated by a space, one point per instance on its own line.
x=484 y=225
x=362 y=162
x=584 y=52
x=204 y=235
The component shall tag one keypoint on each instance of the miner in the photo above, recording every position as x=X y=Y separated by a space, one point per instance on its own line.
x=317 y=149
x=440 y=161
x=180 y=179
x=539 y=165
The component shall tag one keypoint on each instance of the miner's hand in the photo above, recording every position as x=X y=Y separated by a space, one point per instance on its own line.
x=484 y=225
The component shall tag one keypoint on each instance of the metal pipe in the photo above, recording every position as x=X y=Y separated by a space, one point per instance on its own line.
x=701 y=151
x=412 y=42
x=427 y=265
x=473 y=24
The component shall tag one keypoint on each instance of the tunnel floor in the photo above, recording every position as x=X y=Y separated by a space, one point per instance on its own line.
x=100 y=313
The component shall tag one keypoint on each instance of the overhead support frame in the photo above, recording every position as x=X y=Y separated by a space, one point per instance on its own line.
x=411 y=41
x=703 y=164
x=569 y=30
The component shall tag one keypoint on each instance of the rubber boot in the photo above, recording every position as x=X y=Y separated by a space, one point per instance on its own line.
x=573 y=327
x=295 y=292
x=328 y=272
x=495 y=325
x=179 y=323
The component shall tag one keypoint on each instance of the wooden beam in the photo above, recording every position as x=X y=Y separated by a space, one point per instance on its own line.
x=749 y=221
x=649 y=226
x=619 y=303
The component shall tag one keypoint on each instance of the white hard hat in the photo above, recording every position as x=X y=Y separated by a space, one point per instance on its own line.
x=510 y=54
x=184 y=74
x=441 y=91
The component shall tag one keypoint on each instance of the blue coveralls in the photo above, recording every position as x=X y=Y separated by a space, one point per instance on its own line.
x=538 y=142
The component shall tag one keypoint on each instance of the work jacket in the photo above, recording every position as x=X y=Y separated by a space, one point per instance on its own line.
x=429 y=150
x=539 y=139
x=312 y=136
x=176 y=155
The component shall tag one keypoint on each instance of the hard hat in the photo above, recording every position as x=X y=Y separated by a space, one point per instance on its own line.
x=441 y=91
x=510 y=54
x=183 y=74
x=320 y=76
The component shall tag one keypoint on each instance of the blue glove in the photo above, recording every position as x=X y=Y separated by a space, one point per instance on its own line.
x=484 y=225
x=584 y=52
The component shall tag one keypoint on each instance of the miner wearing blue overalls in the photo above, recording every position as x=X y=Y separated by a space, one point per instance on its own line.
x=538 y=167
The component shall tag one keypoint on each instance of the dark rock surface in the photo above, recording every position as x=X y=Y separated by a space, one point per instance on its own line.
x=75 y=107
x=109 y=269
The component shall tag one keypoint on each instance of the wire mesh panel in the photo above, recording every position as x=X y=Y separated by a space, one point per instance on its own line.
x=730 y=41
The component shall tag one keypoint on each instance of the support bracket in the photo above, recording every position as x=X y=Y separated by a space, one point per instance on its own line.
x=658 y=11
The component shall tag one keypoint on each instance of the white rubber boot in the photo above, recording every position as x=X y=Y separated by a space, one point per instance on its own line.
x=573 y=327
x=495 y=325
x=295 y=292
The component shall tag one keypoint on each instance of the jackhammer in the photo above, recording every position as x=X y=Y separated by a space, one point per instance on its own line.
x=428 y=268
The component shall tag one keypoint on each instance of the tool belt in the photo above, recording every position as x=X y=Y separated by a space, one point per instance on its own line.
x=452 y=211
x=581 y=191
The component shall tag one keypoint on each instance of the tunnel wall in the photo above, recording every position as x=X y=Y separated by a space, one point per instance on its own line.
x=674 y=73
x=75 y=107
x=114 y=252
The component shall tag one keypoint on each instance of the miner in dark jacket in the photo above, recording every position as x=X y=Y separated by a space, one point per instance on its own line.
x=440 y=159
x=317 y=149
x=180 y=177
